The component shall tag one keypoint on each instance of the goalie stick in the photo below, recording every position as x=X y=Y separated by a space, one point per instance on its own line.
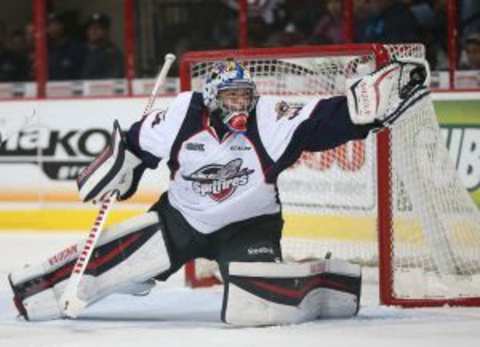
x=70 y=303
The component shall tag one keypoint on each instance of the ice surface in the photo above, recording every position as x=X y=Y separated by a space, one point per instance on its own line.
x=173 y=315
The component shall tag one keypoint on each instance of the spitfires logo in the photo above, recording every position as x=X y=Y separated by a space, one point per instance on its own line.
x=287 y=110
x=159 y=117
x=217 y=181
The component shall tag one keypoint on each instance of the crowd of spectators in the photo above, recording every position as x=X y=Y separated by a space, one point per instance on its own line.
x=275 y=23
x=299 y=22
x=13 y=61
x=271 y=23
x=91 y=56
x=384 y=21
x=470 y=60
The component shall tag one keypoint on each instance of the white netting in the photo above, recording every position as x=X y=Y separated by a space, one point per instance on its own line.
x=330 y=198
x=438 y=231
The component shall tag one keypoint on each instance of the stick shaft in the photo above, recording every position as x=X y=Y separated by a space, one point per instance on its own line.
x=71 y=304
x=160 y=81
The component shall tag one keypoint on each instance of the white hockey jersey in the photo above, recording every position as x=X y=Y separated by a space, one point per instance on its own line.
x=218 y=180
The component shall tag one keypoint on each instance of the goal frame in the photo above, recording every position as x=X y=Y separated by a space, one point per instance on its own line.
x=384 y=166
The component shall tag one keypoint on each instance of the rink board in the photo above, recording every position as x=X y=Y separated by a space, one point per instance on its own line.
x=80 y=220
x=38 y=167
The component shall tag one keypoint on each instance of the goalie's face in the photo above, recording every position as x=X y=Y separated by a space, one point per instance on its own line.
x=235 y=100
x=235 y=105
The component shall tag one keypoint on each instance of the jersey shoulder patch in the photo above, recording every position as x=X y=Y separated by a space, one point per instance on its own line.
x=277 y=119
x=160 y=127
x=287 y=110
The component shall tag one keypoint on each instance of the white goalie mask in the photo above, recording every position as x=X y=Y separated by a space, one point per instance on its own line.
x=230 y=89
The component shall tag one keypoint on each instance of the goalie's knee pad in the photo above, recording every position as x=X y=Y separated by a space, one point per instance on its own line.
x=285 y=293
x=127 y=256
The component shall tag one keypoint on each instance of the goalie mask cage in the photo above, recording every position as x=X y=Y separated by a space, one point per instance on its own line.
x=393 y=201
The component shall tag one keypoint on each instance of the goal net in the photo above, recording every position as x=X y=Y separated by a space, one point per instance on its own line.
x=392 y=202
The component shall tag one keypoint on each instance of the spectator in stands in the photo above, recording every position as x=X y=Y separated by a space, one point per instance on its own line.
x=329 y=28
x=12 y=67
x=103 y=59
x=390 y=21
x=289 y=36
x=65 y=55
x=17 y=42
x=472 y=53
x=303 y=14
x=29 y=37
x=18 y=47
x=469 y=16
x=431 y=18
x=258 y=32
x=362 y=13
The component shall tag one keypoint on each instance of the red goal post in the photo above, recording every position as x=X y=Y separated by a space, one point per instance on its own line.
x=386 y=212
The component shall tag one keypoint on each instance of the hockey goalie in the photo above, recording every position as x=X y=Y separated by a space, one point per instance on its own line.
x=225 y=149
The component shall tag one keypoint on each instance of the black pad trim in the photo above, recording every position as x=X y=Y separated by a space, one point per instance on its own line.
x=291 y=291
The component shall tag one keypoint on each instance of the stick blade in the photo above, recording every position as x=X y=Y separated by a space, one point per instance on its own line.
x=72 y=306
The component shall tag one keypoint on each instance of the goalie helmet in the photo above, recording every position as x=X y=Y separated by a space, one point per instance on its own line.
x=226 y=82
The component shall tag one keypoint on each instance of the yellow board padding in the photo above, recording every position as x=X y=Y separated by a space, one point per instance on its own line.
x=309 y=226
x=305 y=226
x=58 y=220
x=28 y=196
x=296 y=225
x=407 y=230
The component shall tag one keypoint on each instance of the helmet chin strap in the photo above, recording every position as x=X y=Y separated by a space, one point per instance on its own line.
x=236 y=121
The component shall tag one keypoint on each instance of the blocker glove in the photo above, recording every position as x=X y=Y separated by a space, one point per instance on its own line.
x=115 y=171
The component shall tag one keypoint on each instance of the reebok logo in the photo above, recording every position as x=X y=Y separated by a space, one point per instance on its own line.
x=260 y=250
